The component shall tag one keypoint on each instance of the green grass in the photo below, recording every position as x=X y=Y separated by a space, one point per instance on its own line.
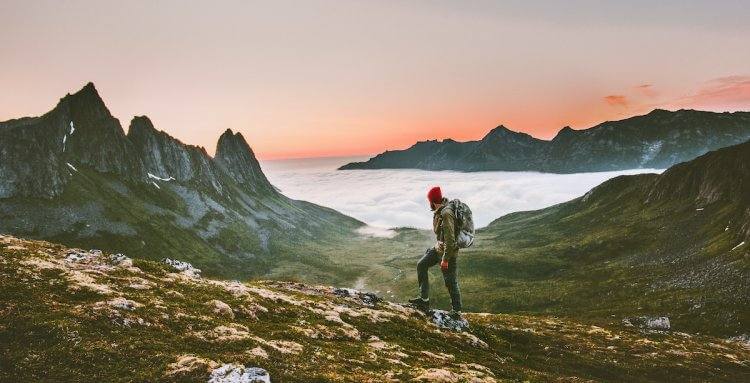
x=51 y=329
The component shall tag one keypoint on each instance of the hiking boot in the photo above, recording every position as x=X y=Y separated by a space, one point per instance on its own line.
x=420 y=304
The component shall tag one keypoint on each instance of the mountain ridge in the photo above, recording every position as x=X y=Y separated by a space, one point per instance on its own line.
x=658 y=139
x=73 y=175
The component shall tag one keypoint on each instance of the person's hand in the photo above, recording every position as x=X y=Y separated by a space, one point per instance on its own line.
x=444 y=265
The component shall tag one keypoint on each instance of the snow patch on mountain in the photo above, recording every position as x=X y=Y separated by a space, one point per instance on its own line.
x=170 y=178
x=650 y=151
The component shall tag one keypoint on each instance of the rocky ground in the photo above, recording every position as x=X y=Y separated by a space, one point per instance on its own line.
x=74 y=315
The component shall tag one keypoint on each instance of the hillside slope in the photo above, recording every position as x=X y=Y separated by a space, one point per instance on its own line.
x=675 y=244
x=656 y=140
x=74 y=315
x=75 y=177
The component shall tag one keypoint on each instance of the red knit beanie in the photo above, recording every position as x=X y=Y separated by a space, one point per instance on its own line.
x=435 y=195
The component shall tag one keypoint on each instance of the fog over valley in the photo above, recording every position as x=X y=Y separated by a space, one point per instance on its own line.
x=396 y=198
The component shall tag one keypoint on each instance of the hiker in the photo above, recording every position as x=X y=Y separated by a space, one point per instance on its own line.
x=451 y=234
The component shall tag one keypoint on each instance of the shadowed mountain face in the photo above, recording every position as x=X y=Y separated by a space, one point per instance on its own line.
x=657 y=140
x=73 y=175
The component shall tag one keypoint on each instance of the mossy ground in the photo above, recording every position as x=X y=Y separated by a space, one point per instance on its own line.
x=60 y=321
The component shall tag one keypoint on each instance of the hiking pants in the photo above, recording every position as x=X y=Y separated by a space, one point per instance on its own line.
x=431 y=258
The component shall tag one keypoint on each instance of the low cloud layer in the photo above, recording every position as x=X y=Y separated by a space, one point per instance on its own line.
x=396 y=198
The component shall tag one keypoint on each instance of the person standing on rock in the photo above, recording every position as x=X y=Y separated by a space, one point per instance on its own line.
x=444 y=252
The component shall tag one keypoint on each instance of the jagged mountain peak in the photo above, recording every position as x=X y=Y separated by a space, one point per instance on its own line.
x=234 y=144
x=141 y=125
x=231 y=141
x=84 y=132
x=167 y=157
x=499 y=130
x=87 y=90
x=85 y=103
x=41 y=154
x=234 y=155
x=502 y=132
x=565 y=132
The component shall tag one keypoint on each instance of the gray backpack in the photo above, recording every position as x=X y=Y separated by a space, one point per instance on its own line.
x=464 y=224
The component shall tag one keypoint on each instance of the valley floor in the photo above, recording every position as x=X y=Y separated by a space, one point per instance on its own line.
x=73 y=315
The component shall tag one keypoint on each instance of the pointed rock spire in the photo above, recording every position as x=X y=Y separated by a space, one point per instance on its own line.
x=234 y=156
x=86 y=103
x=93 y=136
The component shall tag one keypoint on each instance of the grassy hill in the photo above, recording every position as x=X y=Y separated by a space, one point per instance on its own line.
x=74 y=315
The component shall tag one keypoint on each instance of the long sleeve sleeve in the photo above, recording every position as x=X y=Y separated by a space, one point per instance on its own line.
x=449 y=235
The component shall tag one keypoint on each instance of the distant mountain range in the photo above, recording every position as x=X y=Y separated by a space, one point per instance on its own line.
x=657 y=140
x=74 y=176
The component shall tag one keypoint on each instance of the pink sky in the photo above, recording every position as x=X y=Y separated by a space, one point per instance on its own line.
x=327 y=78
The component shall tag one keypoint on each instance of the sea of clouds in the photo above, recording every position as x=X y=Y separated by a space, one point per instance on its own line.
x=397 y=198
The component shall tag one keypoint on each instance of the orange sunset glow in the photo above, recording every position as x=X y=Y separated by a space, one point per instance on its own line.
x=324 y=78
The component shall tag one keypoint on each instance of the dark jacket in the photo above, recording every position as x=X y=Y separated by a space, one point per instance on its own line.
x=444 y=226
